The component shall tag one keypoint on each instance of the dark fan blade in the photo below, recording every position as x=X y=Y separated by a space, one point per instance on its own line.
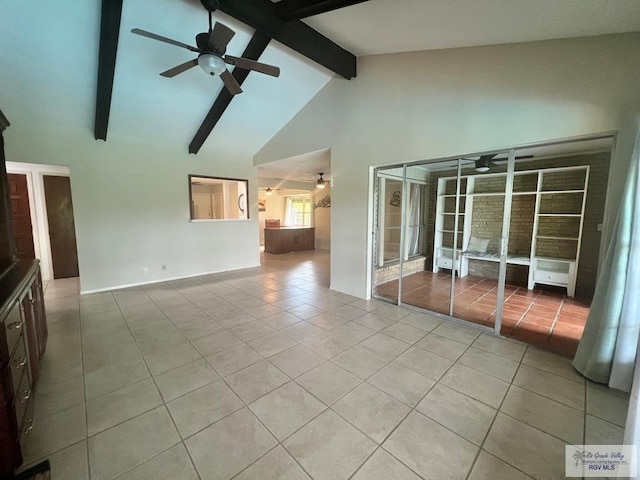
x=521 y=157
x=183 y=67
x=160 y=38
x=230 y=83
x=220 y=37
x=252 y=65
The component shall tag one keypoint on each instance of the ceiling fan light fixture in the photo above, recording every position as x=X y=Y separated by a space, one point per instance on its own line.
x=212 y=64
x=321 y=183
x=483 y=164
x=268 y=191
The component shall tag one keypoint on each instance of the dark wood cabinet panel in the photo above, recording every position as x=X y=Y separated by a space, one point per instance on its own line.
x=23 y=331
x=284 y=240
x=23 y=334
x=21 y=215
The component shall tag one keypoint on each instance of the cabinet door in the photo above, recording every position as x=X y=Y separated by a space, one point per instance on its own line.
x=32 y=342
x=39 y=315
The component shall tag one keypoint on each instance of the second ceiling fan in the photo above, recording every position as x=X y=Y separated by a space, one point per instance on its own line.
x=211 y=49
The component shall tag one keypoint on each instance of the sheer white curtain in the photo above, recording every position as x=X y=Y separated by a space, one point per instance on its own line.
x=413 y=220
x=288 y=212
x=608 y=349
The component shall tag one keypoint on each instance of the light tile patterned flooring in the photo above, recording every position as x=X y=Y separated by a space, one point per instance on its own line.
x=267 y=374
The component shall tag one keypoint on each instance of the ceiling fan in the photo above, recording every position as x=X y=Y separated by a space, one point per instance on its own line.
x=485 y=162
x=211 y=48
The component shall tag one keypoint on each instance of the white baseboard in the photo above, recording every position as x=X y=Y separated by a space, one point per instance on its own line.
x=138 y=284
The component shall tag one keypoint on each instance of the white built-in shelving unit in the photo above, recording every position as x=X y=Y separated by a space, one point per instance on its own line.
x=560 y=198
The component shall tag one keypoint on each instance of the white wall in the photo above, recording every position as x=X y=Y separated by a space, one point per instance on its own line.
x=322 y=219
x=131 y=208
x=275 y=208
x=434 y=104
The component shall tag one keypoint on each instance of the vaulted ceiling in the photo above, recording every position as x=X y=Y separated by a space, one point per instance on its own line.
x=145 y=105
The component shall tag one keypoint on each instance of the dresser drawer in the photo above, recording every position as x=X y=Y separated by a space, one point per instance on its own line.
x=14 y=326
x=542 y=276
x=27 y=424
x=18 y=363
x=444 y=262
x=21 y=399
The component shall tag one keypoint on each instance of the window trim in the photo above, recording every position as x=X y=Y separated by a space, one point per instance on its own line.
x=208 y=220
x=306 y=199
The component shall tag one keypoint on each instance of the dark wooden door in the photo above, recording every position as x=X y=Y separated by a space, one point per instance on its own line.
x=20 y=215
x=62 y=232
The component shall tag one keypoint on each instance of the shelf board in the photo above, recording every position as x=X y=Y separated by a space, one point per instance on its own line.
x=545 y=192
x=449 y=231
x=487 y=194
x=544 y=237
x=559 y=215
x=552 y=259
x=451 y=213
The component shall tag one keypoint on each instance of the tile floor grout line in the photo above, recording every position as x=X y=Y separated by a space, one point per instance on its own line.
x=584 y=418
x=164 y=403
x=86 y=396
x=329 y=407
x=493 y=420
x=413 y=408
x=555 y=318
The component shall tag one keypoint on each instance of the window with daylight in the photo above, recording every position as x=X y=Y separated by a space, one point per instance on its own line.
x=298 y=211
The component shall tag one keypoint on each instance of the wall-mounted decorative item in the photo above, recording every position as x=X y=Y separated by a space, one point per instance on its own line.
x=324 y=203
x=242 y=202
x=262 y=205
x=396 y=199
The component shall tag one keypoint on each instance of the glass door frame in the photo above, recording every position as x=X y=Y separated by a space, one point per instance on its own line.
x=504 y=240
x=378 y=191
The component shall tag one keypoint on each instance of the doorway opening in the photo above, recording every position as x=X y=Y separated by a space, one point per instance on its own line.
x=48 y=201
x=294 y=211
x=508 y=240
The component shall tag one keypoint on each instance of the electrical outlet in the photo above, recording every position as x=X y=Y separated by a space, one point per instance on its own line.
x=163 y=267
x=145 y=269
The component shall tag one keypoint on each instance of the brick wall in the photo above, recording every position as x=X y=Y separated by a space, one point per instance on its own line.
x=391 y=272
x=487 y=216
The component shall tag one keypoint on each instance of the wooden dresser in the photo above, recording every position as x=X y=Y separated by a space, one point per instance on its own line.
x=23 y=336
x=23 y=333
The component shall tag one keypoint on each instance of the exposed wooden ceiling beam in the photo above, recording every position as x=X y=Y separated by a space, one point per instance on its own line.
x=262 y=15
x=109 y=33
x=256 y=46
x=297 y=9
x=259 y=14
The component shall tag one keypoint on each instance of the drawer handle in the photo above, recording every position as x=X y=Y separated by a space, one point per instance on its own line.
x=20 y=362
x=29 y=422
x=14 y=326
x=25 y=395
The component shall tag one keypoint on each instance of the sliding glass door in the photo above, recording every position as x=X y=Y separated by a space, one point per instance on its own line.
x=440 y=237
x=499 y=239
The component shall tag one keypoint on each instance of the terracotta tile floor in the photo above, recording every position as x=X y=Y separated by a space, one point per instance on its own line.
x=548 y=319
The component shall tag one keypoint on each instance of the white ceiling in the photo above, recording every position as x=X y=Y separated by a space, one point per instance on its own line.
x=391 y=26
x=301 y=168
x=63 y=37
